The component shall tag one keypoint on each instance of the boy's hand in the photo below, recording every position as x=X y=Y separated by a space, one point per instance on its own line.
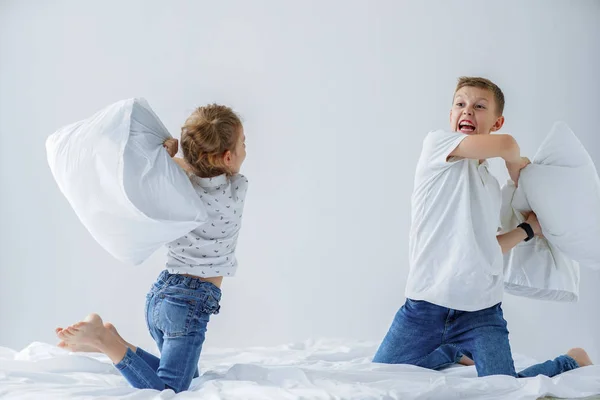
x=535 y=224
x=514 y=169
x=172 y=146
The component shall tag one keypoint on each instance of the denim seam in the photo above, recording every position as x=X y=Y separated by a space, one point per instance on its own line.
x=446 y=323
x=190 y=317
x=195 y=367
x=126 y=363
x=149 y=301
x=138 y=351
x=141 y=377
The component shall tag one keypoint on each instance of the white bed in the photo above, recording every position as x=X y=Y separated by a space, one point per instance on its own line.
x=320 y=369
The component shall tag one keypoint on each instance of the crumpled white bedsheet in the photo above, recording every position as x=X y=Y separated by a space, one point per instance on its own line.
x=315 y=369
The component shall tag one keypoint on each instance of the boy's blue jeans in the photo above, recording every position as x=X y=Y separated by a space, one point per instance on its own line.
x=177 y=312
x=435 y=337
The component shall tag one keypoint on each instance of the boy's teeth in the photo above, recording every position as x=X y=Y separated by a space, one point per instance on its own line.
x=466 y=126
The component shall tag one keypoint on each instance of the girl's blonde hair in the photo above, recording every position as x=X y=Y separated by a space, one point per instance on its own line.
x=206 y=136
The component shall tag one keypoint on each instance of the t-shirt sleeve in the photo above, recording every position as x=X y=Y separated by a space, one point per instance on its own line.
x=437 y=147
x=240 y=186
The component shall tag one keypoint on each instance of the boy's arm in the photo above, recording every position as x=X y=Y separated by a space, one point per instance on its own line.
x=481 y=147
x=510 y=239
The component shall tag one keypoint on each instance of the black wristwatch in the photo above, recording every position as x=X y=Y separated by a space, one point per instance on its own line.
x=528 y=229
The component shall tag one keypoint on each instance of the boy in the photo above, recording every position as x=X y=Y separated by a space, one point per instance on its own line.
x=455 y=284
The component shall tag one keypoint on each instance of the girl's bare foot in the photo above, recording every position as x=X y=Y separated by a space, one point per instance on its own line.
x=82 y=347
x=88 y=332
x=580 y=355
x=92 y=333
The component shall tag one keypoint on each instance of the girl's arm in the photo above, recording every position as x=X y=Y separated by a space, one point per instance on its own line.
x=172 y=146
x=183 y=164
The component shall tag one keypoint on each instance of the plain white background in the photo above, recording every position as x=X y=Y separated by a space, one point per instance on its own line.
x=336 y=98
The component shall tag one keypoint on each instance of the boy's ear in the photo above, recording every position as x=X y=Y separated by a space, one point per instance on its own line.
x=498 y=124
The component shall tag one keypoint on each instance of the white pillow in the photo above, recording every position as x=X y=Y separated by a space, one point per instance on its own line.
x=535 y=269
x=562 y=187
x=121 y=182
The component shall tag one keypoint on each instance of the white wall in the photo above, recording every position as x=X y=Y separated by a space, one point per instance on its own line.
x=336 y=96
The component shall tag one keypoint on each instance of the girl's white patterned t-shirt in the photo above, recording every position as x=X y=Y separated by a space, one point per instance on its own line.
x=209 y=250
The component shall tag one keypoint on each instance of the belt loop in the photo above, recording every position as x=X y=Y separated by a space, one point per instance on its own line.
x=164 y=276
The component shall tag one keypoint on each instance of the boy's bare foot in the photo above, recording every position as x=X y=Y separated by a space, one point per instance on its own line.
x=464 y=360
x=580 y=355
x=83 y=347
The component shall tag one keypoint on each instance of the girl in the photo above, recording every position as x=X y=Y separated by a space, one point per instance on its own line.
x=187 y=292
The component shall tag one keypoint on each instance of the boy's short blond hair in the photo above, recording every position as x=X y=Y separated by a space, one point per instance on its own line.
x=482 y=83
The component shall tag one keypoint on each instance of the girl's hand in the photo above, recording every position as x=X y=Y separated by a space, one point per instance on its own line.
x=172 y=146
x=514 y=169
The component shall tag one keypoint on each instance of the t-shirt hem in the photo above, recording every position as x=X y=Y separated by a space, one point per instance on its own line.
x=203 y=272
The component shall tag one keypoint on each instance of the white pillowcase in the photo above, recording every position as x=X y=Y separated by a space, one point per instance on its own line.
x=535 y=269
x=122 y=184
x=562 y=187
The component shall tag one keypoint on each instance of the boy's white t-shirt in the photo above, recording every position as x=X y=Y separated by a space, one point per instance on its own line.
x=455 y=257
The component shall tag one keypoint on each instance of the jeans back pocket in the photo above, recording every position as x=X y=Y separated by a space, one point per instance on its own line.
x=174 y=314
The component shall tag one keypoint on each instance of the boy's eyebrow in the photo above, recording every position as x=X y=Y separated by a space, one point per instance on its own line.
x=459 y=96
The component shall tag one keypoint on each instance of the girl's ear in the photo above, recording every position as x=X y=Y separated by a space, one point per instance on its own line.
x=228 y=158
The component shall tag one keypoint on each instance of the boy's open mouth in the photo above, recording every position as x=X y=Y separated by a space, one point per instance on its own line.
x=466 y=126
